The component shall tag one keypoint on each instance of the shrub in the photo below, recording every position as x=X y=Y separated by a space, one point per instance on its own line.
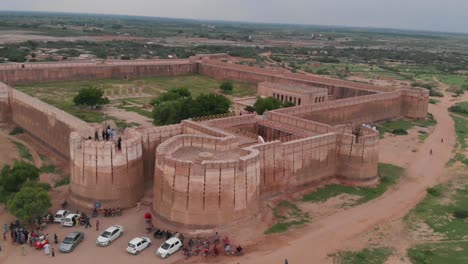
x=436 y=93
x=16 y=131
x=399 y=131
x=433 y=191
x=461 y=214
x=226 y=86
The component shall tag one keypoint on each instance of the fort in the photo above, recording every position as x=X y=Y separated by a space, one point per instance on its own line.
x=211 y=172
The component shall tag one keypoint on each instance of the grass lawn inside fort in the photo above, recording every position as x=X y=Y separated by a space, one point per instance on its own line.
x=61 y=94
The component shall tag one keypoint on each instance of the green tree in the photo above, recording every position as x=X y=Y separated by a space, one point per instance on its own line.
x=30 y=202
x=226 y=86
x=171 y=112
x=268 y=103
x=11 y=178
x=209 y=104
x=171 y=95
x=90 y=96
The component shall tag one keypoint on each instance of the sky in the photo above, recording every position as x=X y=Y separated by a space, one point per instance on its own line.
x=433 y=15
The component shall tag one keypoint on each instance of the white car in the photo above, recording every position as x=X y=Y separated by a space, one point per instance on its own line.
x=70 y=220
x=60 y=215
x=108 y=236
x=169 y=247
x=137 y=245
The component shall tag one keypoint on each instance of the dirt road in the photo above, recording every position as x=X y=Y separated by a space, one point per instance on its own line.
x=329 y=234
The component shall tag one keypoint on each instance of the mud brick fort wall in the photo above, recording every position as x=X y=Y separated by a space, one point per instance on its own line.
x=305 y=144
x=100 y=172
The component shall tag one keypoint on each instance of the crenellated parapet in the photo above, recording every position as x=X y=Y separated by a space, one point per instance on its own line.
x=101 y=172
x=204 y=181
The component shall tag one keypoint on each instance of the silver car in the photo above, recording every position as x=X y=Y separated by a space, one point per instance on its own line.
x=71 y=241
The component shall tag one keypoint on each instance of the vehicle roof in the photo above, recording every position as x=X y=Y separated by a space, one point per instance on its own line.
x=136 y=240
x=71 y=215
x=114 y=227
x=172 y=240
x=61 y=211
x=73 y=234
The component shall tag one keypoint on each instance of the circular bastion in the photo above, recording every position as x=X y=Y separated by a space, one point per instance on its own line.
x=203 y=182
x=101 y=173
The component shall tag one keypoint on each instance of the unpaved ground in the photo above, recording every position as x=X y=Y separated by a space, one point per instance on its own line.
x=9 y=152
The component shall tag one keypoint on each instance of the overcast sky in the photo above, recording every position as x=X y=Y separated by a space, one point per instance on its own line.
x=436 y=15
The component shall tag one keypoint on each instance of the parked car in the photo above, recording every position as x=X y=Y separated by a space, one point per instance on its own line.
x=169 y=247
x=41 y=242
x=108 y=236
x=71 y=241
x=70 y=220
x=138 y=244
x=60 y=215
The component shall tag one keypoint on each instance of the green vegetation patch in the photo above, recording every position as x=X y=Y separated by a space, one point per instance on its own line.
x=366 y=256
x=23 y=151
x=287 y=215
x=48 y=168
x=401 y=126
x=460 y=108
x=16 y=131
x=439 y=253
x=65 y=180
x=388 y=174
x=442 y=209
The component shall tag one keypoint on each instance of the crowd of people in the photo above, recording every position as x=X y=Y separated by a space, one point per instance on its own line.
x=21 y=236
x=108 y=134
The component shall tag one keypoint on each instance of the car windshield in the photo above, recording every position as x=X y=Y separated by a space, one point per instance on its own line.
x=131 y=245
x=68 y=240
x=106 y=234
x=165 y=246
x=58 y=216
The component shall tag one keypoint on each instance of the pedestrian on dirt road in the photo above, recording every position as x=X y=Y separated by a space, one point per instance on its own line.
x=430 y=152
x=53 y=252
x=286 y=261
x=96 y=136
x=442 y=140
x=138 y=206
x=97 y=225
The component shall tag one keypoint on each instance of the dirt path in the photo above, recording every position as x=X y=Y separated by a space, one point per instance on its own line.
x=329 y=234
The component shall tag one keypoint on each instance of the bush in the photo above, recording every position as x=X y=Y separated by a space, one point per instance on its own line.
x=226 y=86
x=436 y=93
x=433 y=191
x=16 y=131
x=249 y=109
x=461 y=214
x=266 y=104
x=399 y=131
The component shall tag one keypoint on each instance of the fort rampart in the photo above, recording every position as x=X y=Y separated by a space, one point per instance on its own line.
x=100 y=172
x=216 y=171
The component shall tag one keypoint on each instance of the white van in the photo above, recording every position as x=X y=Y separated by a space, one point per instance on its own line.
x=70 y=220
x=169 y=247
x=60 y=215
